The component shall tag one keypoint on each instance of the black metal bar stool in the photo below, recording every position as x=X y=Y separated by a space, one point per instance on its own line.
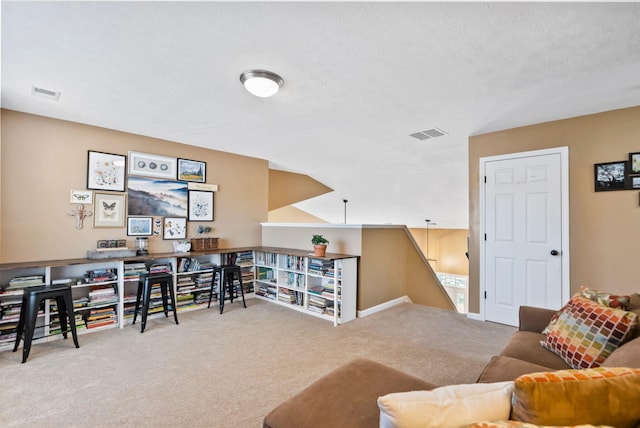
x=145 y=285
x=217 y=272
x=227 y=276
x=31 y=300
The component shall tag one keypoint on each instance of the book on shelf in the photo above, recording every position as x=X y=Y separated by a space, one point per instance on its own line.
x=20 y=282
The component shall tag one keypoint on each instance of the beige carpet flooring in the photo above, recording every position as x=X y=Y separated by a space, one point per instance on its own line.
x=228 y=370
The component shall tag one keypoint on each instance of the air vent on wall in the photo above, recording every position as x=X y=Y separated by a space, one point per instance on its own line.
x=428 y=134
x=45 y=93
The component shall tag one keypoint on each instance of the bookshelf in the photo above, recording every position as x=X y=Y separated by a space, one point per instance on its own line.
x=104 y=291
x=324 y=287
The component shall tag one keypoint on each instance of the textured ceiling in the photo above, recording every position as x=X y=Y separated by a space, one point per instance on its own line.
x=359 y=77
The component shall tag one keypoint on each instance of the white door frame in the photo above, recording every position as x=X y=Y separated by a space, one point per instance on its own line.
x=564 y=251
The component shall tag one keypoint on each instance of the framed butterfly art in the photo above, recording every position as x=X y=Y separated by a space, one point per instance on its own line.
x=109 y=209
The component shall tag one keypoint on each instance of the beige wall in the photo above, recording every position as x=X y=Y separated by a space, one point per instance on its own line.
x=604 y=226
x=290 y=214
x=286 y=188
x=44 y=158
x=392 y=267
x=446 y=246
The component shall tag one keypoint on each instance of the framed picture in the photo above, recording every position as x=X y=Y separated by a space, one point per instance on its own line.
x=200 y=205
x=153 y=197
x=139 y=226
x=175 y=228
x=149 y=165
x=106 y=171
x=109 y=209
x=81 y=197
x=634 y=163
x=191 y=170
x=611 y=176
x=635 y=182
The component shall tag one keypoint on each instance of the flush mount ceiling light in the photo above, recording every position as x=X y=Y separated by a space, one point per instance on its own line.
x=261 y=83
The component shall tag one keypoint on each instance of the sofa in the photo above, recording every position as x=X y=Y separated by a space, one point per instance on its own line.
x=348 y=396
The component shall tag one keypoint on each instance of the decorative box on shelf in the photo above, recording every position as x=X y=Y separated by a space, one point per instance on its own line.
x=204 y=244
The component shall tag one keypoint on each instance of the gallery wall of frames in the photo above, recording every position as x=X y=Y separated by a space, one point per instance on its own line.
x=148 y=194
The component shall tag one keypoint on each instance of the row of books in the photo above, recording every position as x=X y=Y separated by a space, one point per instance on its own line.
x=266 y=259
x=160 y=268
x=21 y=282
x=267 y=290
x=293 y=262
x=290 y=296
x=134 y=270
x=191 y=264
x=265 y=274
x=292 y=279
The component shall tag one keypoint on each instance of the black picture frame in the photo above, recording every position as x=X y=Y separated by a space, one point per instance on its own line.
x=106 y=171
x=192 y=170
x=634 y=163
x=200 y=205
x=174 y=228
x=139 y=226
x=609 y=176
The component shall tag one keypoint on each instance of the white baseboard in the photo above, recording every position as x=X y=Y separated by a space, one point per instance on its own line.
x=474 y=316
x=383 y=306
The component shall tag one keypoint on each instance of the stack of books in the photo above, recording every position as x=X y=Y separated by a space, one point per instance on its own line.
x=101 y=296
x=21 y=282
x=318 y=304
x=101 y=317
x=290 y=296
x=160 y=268
x=134 y=270
x=101 y=275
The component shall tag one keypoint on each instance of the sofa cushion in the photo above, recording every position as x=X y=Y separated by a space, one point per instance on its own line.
x=525 y=345
x=628 y=355
x=502 y=368
x=448 y=406
x=586 y=333
x=599 y=396
x=344 y=398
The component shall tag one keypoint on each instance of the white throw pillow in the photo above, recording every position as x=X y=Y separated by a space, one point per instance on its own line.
x=448 y=406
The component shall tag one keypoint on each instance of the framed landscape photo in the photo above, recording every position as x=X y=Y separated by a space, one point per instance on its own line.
x=109 y=209
x=149 y=165
x=191 y=170
x=106 y=171
x=200 y=205
x=610 y=176
x=634 y=163
x=175 y=228
x=139 y=226
x=155 y=197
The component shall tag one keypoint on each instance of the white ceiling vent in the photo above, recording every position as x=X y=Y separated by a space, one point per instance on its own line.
x=428 y=134
x=45 y=93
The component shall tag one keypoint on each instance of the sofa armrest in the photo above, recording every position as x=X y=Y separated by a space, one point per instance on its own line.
x=534 y=319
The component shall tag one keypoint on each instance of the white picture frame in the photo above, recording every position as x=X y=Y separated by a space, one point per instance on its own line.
x=150 y=165
x=81 y=197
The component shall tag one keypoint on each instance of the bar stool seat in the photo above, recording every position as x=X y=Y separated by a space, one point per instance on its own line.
x=31 y=300
x=145 y=284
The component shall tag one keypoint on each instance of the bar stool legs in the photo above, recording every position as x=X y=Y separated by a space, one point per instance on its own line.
x=143 y=296
x=31 y=300
x=227 y=277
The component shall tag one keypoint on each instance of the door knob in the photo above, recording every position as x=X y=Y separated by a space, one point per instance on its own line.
x=554 y=252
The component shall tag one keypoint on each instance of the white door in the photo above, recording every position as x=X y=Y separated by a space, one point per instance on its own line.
x=524 y=253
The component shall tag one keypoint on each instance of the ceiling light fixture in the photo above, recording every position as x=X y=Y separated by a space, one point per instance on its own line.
x=261 y=83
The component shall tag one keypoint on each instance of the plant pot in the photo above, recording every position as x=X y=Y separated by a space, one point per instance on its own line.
x=319 y=250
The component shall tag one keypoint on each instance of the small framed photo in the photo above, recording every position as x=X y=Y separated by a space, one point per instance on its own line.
x=149 y=165
x=106 y=171
x=634 y=182
x=139 y=226
x=175 y=228
x=634 y=163
x=81 y=197
x=610 y=176
x=109 y=209
x=200 y=205
x=191 y=170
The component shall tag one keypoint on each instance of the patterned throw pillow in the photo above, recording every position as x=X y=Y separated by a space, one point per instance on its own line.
x=606 y=299
x=586 y=333
x=599 y=396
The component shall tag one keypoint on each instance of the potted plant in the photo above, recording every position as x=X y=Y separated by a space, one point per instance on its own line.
x=319 y=245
